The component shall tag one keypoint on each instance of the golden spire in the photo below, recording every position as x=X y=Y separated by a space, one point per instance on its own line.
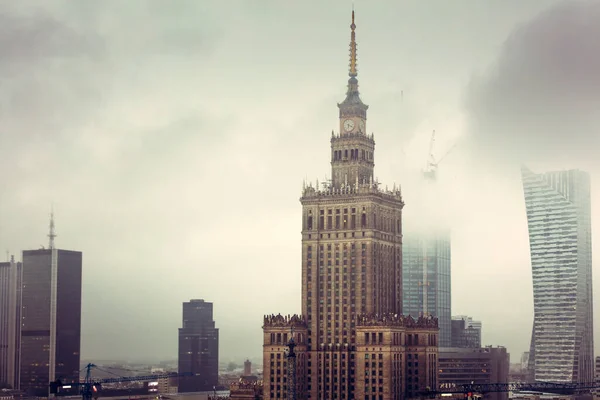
x=352 y=47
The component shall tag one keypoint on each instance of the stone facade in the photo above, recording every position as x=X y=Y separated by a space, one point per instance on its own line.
x=278 y=330
x=396 y=356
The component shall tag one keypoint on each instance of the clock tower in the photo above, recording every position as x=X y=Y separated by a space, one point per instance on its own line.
x=351 y=340
x=352 y=152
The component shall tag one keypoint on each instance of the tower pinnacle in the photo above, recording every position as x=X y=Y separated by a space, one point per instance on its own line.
x=352 y=96
x=52 y=233
x=352 y=151
x=353 y=71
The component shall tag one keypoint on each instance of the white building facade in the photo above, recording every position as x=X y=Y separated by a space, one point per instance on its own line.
x=559 y=222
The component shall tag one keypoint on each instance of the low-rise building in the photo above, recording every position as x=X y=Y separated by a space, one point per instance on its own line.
x=243 y=390
x=463 y=366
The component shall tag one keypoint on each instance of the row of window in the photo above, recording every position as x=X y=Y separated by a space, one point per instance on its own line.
x=353 y=154
x=351 y=221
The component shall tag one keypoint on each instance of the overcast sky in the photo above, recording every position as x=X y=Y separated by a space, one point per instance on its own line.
x=173 y=139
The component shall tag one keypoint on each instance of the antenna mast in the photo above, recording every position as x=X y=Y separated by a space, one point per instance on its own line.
x=52 y=233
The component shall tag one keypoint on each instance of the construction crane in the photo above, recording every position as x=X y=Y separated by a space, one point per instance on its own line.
x=539 y=387
x=90 y=387
x=431 y=166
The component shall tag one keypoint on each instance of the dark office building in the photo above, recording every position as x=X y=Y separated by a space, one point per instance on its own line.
x=10 y=316
x=478 y=366
x=466 y=333
x=198 y=348
x=51 y=318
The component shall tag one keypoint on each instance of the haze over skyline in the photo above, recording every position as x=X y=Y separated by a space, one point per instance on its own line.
x=173 y=141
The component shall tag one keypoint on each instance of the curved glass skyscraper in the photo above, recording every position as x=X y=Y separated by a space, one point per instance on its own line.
x=558 y=218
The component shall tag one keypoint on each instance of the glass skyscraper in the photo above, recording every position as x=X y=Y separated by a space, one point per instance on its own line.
x=558 y=217
x=426 y=278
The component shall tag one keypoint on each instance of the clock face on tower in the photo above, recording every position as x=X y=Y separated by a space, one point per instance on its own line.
x=361 y=125
x=348 y=125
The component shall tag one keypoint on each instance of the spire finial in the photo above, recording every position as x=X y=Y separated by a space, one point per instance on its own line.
x=52 y=233
x=353 y=72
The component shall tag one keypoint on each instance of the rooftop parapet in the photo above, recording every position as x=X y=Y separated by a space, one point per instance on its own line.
x=396 y=320
x=364 y=188
x=246 y=385
x=358 y=135
x=284 y=320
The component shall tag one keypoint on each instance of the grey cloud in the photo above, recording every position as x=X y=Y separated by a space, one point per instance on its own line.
x=174 y=145
x=539 y=102
x=25 y=40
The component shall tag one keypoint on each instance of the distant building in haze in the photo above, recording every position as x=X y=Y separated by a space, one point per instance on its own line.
x=51 y=317
x=198 y=348
x=466 y=333
x=426 y=278
x=474 y=366
x=560 y=242
x=247 y=368
x=10 y=322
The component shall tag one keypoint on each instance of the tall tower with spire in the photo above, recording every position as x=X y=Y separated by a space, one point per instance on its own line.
x=352 y=150
x=50 y=333
x=352 y=341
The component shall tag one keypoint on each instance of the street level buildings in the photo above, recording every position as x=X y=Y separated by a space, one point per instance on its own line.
x=426 y=278
x=351 y=340
x=462 y=366
x=198 y=348
x=466 y=333
x=51 y=318
x=10 y=326
x=559 y=222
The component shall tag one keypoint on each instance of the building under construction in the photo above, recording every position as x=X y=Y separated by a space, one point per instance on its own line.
x=426 y=278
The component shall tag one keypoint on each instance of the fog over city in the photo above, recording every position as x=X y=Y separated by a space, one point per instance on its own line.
x=173 y=138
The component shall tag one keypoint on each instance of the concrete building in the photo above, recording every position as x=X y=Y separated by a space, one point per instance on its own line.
x=559 y=222
x=466 y=333
x=426 y=278
x=167 y=384
x=10 y=325
x=247 y=368
x=597 y=370
x=351 y=282
x=198 y=348
x=462 y=366
x=525 y=361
